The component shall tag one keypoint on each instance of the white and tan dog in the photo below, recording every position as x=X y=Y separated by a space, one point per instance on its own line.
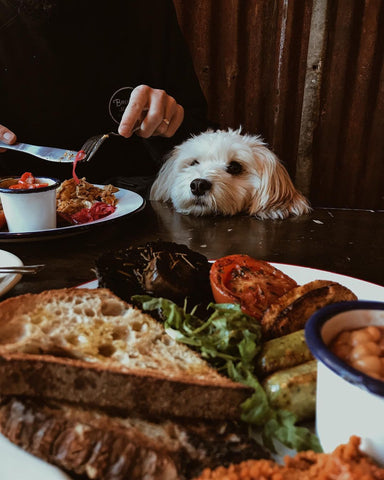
x=225 y=173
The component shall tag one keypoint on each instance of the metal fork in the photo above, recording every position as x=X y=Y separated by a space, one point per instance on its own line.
x=22 y=269
x=91 y=146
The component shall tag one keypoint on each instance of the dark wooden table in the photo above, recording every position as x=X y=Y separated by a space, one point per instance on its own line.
x=344 y=241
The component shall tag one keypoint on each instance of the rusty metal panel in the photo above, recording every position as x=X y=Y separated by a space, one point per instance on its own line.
x=349 y=150
x=250 y=56
x=253 y=62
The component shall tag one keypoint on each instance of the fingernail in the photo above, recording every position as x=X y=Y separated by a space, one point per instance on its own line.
x=8 y=136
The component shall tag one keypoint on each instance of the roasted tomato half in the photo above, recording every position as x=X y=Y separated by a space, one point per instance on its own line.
x=254 y=284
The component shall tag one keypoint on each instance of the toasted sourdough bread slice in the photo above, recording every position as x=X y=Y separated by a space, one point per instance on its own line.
x=291 y=311
x=89 y=442
x=91 y=347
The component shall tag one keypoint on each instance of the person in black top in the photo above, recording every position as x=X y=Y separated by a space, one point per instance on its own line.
x=72 y=69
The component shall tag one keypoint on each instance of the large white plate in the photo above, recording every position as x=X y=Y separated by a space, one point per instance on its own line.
x=15 y=463
x=8 y=281
x=364 y=290
x=127 y=203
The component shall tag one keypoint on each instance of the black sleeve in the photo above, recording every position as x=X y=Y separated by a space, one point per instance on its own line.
x=63 y=83
x=179 y=79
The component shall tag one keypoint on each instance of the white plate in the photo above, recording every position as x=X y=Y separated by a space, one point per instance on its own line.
x=8 y=281
x=364 y=290
x=127 y=203
x=15 y=463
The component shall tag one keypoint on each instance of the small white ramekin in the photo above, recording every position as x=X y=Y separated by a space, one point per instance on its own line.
x=348 y=402
x=29 y=210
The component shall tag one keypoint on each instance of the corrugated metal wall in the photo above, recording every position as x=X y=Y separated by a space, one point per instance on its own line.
x=305 y=74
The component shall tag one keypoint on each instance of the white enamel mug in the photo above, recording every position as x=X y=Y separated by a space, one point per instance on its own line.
x=348 y=402
x=29 y=210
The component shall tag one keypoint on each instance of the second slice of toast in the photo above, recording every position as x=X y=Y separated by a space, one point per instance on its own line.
x=105 y=447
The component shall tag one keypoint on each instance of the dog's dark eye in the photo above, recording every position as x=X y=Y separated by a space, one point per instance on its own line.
x=194 y=162
x=234 y=168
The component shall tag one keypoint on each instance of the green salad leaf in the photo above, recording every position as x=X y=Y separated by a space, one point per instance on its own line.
x=230 y=340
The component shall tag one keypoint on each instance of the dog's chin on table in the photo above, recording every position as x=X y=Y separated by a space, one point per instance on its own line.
x=225 y=172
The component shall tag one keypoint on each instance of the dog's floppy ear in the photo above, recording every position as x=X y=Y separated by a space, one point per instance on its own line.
x=275 y=196
x=162 y=186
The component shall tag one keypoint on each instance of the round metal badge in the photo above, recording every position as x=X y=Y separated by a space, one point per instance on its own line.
x=119 y=102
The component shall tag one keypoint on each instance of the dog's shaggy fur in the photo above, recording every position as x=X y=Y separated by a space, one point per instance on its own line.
x=225 y=173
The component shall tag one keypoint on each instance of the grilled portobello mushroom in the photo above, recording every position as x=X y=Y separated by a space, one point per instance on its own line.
x=159 y=269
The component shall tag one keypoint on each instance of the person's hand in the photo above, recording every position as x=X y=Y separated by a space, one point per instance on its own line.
x=153 y=111
x=6 y=136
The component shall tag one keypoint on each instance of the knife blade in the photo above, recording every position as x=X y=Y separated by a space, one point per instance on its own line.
x=51 y=154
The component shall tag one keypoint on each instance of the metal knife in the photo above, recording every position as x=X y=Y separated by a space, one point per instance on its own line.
x=46 y=153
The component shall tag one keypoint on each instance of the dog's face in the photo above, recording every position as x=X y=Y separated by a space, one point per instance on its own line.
x=226 y=173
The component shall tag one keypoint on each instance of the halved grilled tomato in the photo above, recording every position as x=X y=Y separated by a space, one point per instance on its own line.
x=254 y=284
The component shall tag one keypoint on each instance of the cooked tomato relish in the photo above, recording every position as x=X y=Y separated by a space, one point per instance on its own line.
x=27 y=181
x=80 y=156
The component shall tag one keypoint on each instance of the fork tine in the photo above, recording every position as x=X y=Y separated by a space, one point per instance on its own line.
x=91 y=146
x=87 y=147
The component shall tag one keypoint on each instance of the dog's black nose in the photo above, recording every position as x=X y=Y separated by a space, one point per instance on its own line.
x=199 y=186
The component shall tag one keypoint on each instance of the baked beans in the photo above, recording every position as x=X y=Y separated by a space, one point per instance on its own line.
x=363 y=349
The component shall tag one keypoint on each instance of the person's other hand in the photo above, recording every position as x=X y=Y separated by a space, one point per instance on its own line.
x=6 y=136
x=154 y=111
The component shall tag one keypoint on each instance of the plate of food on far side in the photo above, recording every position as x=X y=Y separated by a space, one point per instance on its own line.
x=80 y=206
